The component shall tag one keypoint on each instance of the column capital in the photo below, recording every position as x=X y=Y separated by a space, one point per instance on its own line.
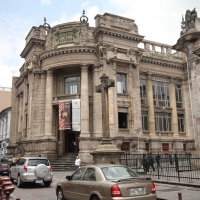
x=171 y=79
x=84 y=67
x=149 y=76
x=49 y=72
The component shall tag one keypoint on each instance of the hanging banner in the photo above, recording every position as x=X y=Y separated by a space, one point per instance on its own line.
x=76 y=114
x=64 y=115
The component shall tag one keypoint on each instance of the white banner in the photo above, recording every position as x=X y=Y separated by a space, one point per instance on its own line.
x=76 y=114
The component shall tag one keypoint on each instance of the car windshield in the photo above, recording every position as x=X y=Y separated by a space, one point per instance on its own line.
x=118 y=172
x=35 y=162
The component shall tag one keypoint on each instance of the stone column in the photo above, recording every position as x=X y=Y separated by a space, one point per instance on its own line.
x=48 y=106
x=173 y=105
x=42 y=102
x=84 y=102
x=97 y=115
x=30 y=102
x=24 y=107
x=151 y=116
x=20 y=116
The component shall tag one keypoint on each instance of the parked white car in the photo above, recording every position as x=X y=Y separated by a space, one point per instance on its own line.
x=31 y=169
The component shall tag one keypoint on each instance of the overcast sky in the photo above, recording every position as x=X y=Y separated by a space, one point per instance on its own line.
x=157 y=20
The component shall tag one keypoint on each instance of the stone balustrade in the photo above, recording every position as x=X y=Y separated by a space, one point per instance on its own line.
x=160 y=50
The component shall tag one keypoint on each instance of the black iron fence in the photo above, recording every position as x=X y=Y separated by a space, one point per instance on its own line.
x=178 y=167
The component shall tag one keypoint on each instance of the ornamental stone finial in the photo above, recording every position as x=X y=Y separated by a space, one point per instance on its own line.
x=83 y=18
x=46 y=26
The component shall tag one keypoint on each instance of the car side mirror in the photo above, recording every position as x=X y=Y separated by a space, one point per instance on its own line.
x=68 y=178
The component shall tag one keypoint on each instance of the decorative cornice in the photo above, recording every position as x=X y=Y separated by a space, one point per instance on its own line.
x=30 y=44
x=67 y=50
x=122 y=34
x=163 y=62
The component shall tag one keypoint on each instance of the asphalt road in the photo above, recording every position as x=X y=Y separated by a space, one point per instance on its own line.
x=39 y=192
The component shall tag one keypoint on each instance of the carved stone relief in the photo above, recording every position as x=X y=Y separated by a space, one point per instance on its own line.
x=123 y=69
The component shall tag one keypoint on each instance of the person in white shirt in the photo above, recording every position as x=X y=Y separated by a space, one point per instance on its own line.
x=77 y=162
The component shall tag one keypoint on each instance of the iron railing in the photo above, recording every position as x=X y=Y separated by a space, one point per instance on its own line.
x=182 y=168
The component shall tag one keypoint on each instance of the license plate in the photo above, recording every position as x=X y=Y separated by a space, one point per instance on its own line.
x=136 y=191
x=38 y=181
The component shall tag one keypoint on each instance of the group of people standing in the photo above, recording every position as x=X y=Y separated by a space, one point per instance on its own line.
x=148 y=161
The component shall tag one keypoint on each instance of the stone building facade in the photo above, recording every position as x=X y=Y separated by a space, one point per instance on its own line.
x=149 y=107
x=4 y=130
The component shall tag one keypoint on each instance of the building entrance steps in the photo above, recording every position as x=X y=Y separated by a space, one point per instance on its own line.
x=64 y=163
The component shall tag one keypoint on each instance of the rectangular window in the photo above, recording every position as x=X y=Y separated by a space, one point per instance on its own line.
x=178 y=95
x=122 y=120
x=180 y=123
x=161 y=93
x=147 y=147
x=163 y=121
x=143 y=91
x=125 y=147
x=165 y=147
x=145 y=120
x=121 y=83
x=72 y=85
x=184 y=147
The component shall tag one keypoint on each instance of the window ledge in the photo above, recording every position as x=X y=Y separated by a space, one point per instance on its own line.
x=162 y=108
x=182 y=133
x=123 y=130
x=122 y=95
x=145 y=105
x=144 y=131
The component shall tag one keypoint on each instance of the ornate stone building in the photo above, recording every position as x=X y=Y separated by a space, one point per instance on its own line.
x=149 y=107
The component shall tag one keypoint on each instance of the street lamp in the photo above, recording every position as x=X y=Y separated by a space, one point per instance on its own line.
x=138 y=131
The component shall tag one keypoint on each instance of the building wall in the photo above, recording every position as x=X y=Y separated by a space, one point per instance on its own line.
x=110 y=48
x=5 y=97
x=4 y=130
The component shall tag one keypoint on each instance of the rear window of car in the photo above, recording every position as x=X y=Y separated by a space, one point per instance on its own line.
x=118 y=172
x=35 y=162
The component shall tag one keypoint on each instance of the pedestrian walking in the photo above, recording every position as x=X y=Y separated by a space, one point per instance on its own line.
x=171 y=158
x=77 y=162
x=158 y=159
x=144 y=163
x=150 y=161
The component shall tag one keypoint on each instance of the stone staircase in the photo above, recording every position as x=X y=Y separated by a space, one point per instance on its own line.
x=64 y=163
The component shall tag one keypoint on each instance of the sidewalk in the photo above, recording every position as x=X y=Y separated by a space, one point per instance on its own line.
x=168 y=190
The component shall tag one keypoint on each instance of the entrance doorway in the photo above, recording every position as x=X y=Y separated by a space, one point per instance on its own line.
x=71 y=142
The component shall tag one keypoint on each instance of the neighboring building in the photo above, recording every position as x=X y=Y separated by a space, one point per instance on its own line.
x=4 y=130
x=5 y=97
x=149 y=106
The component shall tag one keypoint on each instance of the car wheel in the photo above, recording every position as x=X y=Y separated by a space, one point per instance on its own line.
x=95 y=198
x=19 y=182
x=47 y=183
x=60 y=195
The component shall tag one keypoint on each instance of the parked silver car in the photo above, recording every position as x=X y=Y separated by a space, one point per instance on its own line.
x=32 y=169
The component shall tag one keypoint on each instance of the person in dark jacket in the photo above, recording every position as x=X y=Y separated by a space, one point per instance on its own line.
x=144 y=163
x=158 y=159
x=150 y=161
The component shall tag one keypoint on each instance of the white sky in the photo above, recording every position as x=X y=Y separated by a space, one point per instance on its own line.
x=157 y=20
